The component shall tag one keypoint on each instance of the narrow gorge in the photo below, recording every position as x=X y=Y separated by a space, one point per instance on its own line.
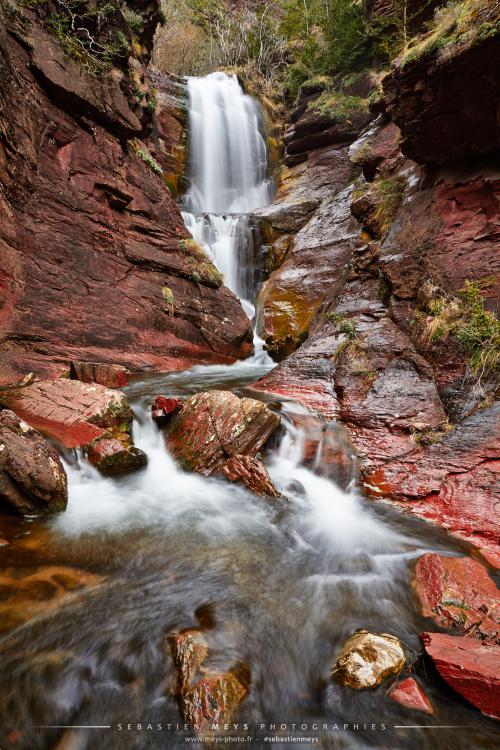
x=249 y=353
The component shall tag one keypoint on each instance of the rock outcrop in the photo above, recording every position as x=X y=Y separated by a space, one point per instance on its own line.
x=459 y=595
x=32 y=477
x=368 y=658
x=215 y=427
x=96 y=264
x=424 y=93
x=469 y=666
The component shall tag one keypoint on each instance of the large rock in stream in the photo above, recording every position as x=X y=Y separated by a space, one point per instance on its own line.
x=470 y=667
x=81 y=415
x=459 y=595
x=32 y=477
x=216 y=432
x=368 y=658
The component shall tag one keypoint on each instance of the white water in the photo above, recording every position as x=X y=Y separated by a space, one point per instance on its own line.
x=227 y=173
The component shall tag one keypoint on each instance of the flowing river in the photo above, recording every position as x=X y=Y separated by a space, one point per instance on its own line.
x=276 y=587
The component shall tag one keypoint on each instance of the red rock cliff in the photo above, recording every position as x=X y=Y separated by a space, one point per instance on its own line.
x=94 y=263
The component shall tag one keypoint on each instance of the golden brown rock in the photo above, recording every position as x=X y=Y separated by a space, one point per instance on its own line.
x=368 y=658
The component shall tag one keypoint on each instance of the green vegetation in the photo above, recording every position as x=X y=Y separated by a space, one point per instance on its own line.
x=462 y=315
x=96 y=34
x=339 y=106
x=141 y=151
x=343 y=325
x=456 y=23
x=389 y=196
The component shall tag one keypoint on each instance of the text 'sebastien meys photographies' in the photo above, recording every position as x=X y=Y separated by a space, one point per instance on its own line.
x=249 y=374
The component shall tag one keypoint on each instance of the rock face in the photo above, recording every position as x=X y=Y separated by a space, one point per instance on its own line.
x=459 y=595
x=368 y=658
x=205 y=697
x=112 y=376
x=470 y=667
x=81 y=415
x=424 y=97
x=410 y=695
x=453 y=483
x=215 y=426
x=32 y=477
x=90 y=237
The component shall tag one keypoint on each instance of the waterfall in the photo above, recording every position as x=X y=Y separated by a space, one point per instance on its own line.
x=227 y=173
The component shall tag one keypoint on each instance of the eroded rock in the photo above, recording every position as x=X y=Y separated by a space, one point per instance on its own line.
x=112 y=456
x=469 y=666
x=112 y=376
x=368 y=658
x=32 y=477
x=164 y=408
x=214 y=426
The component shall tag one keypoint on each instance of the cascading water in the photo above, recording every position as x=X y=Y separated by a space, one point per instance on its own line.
x=228 y=178
x=277 y=587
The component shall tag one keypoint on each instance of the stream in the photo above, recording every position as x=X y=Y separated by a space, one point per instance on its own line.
x=276 y=587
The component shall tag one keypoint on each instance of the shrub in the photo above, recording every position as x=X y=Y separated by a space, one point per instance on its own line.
x=343 y=325
x=339 y=106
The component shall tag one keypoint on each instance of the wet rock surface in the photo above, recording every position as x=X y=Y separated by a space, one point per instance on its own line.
x=69 y=411
x=368 y=658
x=205 y=697
x=32 y=477
x=409 y=694
x=469 y=666
x=251 y=473
x=90 y=235
x=215 y=426
x=459 y=595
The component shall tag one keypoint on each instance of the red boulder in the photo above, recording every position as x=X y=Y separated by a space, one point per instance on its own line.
x=163 y=409
x=470 y=667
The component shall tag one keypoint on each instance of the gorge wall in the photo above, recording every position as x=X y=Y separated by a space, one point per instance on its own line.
x=372 y=247
x=95 y=262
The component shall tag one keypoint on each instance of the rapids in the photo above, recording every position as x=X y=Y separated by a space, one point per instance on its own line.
x=276 y=587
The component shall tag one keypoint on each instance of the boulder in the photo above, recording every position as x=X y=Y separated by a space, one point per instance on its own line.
x=368 y=658
x=32 y=477
x=214 y=426
x=111 y=456
x=69 y=411
x=252 y=473
x=189 y=649
x=459 y=595
x=470 y=667
x=163 y=409
x=410 y=695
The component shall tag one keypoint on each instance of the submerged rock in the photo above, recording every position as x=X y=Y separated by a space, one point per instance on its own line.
x=368 y=658
x=214 y=426
x=458 y=594
x=470 y=667
x=204 y=695
x=410 y=695
x=32 y=477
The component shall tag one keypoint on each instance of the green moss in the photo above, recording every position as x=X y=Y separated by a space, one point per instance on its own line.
x=134 y=20
x=168 y=295
x=196 y=277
